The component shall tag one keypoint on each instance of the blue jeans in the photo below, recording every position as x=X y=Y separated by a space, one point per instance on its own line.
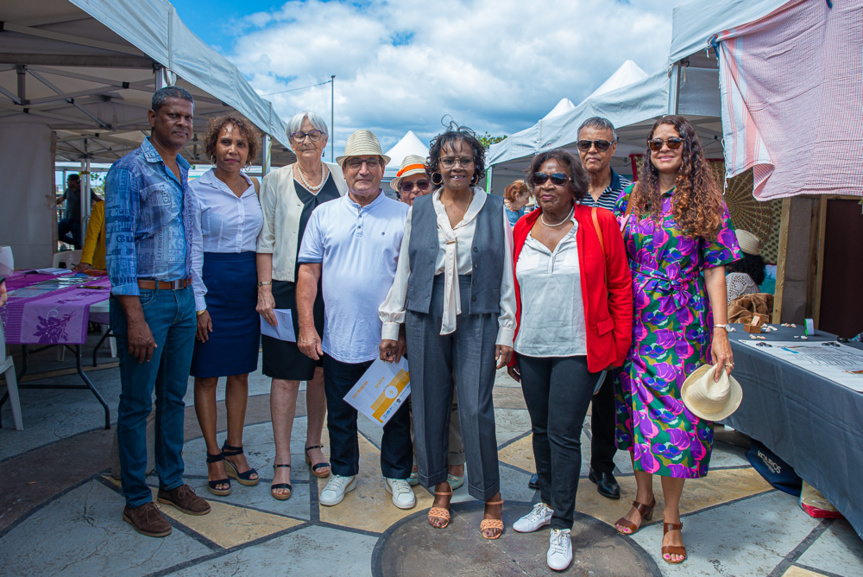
x=170 y=315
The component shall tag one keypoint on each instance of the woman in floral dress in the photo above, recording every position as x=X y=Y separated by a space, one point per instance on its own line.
x=678 y=238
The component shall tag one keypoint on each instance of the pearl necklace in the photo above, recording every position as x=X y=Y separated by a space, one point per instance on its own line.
x=306 y=182
x=569 y=216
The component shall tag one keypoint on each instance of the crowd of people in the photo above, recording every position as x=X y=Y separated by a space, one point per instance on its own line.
x=608 y=292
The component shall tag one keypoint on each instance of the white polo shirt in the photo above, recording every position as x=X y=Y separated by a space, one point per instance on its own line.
x=358 y=248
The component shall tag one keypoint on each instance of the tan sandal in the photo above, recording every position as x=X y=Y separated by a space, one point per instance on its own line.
x=486 y=524
x=646 y=512
x=672 y=549
x=440 y=513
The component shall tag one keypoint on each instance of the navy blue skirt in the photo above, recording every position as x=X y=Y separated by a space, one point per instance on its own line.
x=232 y=296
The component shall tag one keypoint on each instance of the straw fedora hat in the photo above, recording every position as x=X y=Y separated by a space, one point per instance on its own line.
x=411 y=165
x=709 y=400
x=748 y=242
x=362 y=143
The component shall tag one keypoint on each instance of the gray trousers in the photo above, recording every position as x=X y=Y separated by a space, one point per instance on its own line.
x=464 y=359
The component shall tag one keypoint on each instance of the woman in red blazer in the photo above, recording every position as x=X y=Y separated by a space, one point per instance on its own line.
x=574 y=320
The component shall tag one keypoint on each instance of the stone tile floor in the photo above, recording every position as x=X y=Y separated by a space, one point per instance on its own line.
x=60 y=508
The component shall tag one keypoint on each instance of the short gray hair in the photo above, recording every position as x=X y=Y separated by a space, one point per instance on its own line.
x=316 y=121
x=598 y=123
x=161 y=96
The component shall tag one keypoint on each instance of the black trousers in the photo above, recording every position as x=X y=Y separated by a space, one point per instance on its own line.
x=602 y=426
x=557 y=392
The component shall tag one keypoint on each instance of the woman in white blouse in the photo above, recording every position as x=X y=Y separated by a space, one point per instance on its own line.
x=226 y=219
x=454 y=292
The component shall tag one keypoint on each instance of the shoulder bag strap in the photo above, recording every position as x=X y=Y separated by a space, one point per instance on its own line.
x=257 y=184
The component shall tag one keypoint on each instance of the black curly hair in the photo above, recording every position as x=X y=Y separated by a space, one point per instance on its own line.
x=455 y=133
x=751 y=264
x=579 y=182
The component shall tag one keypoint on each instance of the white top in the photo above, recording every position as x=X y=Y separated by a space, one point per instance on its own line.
x=358 y=248
x=552 y=311
x=282 y=211
x=453 y=259
x=738 y=284
x=221 y=222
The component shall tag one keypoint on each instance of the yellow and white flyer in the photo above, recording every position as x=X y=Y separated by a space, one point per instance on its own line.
x=381 y=390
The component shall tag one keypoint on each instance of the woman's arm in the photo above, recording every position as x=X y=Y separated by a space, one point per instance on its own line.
x=392 y=310
x=620 y=303
x=506 y=320
x=714 y=280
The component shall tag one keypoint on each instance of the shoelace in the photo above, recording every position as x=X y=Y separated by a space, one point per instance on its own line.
x=338 y=483
x=400 y=487
x=538 y=513
x=557 y=543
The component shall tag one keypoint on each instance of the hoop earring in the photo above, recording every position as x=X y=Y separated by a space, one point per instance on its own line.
x=437 y=179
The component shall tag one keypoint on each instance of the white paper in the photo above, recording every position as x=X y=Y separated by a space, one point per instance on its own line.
x=284 y=330
x=7 y=261
x=52 y=270
x=381 y=390
x=837 y=362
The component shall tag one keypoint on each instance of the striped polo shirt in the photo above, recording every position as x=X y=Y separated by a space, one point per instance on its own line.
x=609 y=196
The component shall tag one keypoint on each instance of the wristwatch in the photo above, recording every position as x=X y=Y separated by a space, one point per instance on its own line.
x=264 y=283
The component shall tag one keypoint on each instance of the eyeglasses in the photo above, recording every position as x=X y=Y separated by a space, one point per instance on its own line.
x=449 y=161
x=557 y=178
x=672 y=143
x=409 y=186
x=600 y=145
x=357 y=163
x=314 y=135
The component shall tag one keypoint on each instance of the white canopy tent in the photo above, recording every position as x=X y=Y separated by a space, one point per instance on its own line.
x=409 y=144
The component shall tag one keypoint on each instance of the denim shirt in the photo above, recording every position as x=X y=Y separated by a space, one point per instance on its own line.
x=147 y=223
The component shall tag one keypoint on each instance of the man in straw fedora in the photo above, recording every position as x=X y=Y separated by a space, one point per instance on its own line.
x=351 y=245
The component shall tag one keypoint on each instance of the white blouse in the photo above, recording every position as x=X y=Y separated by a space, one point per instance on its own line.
x=552 y=310
x=221 y=222
x=453 y=259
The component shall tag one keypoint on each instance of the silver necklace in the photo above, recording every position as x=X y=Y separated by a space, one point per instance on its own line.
x=306 y=182
x=569 y=216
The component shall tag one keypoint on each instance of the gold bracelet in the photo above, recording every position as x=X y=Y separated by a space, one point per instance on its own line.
x=199 y=313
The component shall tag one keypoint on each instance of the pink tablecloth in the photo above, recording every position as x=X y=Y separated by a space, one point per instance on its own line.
x=58 y=316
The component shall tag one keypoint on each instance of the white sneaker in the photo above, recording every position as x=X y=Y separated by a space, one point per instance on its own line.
x=334 y=492
x=559 y=555
x=539 y=517
x=403 y=495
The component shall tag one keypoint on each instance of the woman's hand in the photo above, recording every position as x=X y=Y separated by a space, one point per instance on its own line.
x=502 y=354
x=515 y=373
x=205 y=327
x=266 y=305
x=723 y=357
x=392 y=351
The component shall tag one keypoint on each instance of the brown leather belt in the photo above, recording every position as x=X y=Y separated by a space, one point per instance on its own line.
x=164 y=284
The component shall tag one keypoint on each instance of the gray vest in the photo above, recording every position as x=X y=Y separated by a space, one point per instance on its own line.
x=487 y=254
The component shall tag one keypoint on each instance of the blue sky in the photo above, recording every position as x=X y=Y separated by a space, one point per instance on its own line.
x=494 y=65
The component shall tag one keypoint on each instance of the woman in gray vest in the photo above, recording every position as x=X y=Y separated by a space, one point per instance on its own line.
x=454 y=292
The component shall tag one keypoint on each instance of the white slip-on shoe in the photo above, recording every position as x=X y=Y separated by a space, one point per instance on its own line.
x=334 y=492
x=559 y=555
x=539 y=517
x=403 y=495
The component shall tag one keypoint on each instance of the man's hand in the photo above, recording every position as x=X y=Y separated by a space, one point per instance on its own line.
x=141 y=342
x=205 y=327
x=309 y=343
x=502 y=354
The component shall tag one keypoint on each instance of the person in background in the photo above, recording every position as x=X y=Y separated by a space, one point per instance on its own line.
x=69 y=227
x=93 y=253
x=515 y=197
x=411 y=180
x=226 y=220
x=289 y=195
x=747 y=274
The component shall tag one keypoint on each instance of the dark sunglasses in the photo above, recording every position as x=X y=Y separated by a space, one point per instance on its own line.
x=672 y=143
x=408 y=186
x=600 y=145
x=557 y=178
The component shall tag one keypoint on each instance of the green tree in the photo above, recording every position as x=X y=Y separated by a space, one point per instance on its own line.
x=487 y=139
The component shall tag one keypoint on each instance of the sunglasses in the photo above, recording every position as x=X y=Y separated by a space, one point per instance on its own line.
x=409 y=186
x=600 y=145
x=557 y=178
x=314 y=135
x=672 y=143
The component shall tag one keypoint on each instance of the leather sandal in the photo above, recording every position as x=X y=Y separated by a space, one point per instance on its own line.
x=646 y=512
x=211 y=485
x=318 y=466
x=440 y=513
x=672 y=549
x=231 y=469
x=281 y=496
x=486 y=524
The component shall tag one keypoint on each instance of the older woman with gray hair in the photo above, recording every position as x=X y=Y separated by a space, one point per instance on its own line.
x=288 y=197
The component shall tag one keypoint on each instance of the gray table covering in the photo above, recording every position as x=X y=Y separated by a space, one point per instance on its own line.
x=814 y=424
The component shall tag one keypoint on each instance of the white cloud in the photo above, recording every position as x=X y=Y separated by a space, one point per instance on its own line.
x=494 y=65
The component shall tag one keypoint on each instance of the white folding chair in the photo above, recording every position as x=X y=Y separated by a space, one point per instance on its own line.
x=7 y=366
x=67 y=259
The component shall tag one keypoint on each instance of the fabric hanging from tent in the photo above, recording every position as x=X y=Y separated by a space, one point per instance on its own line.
x=791 y=85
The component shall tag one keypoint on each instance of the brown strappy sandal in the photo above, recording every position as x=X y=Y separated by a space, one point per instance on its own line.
x=646 y=512
x=440 y=513
x=672 y=549
x=486 y=524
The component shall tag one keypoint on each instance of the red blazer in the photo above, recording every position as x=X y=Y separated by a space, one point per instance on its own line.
x=606 y=286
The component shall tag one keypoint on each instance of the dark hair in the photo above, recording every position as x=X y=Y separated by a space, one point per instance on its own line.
x=161 y=96
x=514 y=189
x=598 y=123
x=74 y=176
x=697 y=201
x=578 y=181
x=751 y=264
x=455 y=133
x=246 y=128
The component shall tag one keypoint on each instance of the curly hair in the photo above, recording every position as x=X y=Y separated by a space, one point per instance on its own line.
x=246 y=128
x=514 y=190
x=578 y=181
x=751 y=264
x=697 y=200
x=455 y=133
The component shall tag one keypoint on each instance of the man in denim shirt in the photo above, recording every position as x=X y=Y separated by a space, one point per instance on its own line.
x=148 y=233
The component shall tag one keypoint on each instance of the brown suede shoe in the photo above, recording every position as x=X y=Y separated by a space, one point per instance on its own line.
x=147 y=520
x=184 y=499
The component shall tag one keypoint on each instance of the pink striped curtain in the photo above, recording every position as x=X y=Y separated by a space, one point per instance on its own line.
x=792 y=99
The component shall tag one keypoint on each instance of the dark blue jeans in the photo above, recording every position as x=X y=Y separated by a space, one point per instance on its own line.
x=396 y=449
x=170 y=315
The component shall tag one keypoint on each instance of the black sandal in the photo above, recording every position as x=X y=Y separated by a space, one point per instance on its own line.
x=213 y=484
x=281 y=497
x=231 y=469
x=318 y=466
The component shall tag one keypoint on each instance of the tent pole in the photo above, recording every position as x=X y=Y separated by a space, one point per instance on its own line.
x=674 y=89
x=488 y=179
x=266 y=154
x=332 y=117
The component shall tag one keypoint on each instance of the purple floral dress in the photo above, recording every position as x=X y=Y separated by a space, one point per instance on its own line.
x=671 y=336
